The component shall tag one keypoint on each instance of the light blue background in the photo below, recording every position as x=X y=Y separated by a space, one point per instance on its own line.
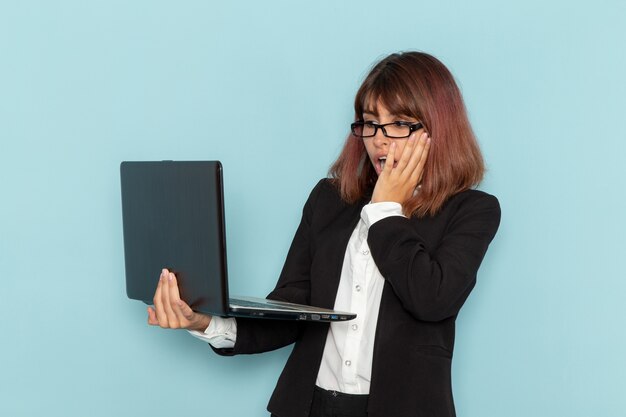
x=267 y=87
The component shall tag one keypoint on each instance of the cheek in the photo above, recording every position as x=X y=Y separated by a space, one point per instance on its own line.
x=399 y=149
x=369 y=147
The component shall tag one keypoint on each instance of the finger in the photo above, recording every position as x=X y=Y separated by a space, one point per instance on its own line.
x=158 y=302
x=423 y=160
x=406 y=154
x=174 y=293
x=183 y=316
x=172 y=319
x=416 y=154
x=418 y=172
x=390 y=158
x=152 y=320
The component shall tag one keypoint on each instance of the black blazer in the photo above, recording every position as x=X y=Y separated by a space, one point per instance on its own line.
x=430 y=267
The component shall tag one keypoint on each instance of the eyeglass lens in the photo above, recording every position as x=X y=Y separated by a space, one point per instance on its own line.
x=391 y=130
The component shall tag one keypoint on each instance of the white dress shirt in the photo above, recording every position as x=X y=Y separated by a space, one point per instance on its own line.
x=347 y=359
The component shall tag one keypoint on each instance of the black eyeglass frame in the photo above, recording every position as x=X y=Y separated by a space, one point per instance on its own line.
x=413 y=127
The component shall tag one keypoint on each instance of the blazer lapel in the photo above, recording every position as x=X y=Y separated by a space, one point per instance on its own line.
x=333 y=252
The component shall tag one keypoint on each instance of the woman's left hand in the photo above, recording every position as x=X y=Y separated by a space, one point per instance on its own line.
x=398 y=183
x=169 y=311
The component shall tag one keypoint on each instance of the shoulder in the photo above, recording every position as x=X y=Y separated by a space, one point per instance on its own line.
x=463 y=207
x=473 y=207
x=325 y=191
x=473 y=199
x=325 y=205
x=327 y=185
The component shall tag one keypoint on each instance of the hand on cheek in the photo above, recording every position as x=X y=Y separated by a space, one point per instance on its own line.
x=398 y=183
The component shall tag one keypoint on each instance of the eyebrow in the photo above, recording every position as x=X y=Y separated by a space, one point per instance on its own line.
x=401 y=116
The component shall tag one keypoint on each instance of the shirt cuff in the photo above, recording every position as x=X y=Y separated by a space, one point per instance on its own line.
x=373 y=212
x=221 y=333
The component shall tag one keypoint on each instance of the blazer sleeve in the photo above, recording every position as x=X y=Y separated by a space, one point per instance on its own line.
x=433 y=283
x=262 y=335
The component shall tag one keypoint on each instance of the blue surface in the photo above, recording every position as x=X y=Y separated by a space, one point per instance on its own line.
x=267 y=88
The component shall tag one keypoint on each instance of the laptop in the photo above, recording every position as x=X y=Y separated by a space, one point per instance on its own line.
x=173 y=217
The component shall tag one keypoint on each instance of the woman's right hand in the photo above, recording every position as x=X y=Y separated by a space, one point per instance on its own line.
x=170 y=312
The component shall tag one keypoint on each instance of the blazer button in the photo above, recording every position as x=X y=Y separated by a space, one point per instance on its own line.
x=348 y=363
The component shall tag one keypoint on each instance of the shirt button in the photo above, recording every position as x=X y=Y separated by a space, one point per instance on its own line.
x=358 y=288
x=365 y=252
x=355 y=326
x=348 y=363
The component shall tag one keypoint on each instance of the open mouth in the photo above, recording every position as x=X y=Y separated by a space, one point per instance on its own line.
x=381 y=163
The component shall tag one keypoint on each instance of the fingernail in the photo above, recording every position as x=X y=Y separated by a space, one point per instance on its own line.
x=171 y=276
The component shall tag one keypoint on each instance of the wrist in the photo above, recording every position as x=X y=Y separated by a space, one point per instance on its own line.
x=201 y=324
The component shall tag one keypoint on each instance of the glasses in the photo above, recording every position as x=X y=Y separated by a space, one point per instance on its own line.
x=395 y=130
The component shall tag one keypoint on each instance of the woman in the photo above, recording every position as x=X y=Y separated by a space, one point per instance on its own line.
x=396 y=235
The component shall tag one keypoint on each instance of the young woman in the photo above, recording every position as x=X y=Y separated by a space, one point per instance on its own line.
x=396 y=235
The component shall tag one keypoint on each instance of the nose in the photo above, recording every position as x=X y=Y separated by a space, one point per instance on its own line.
x=380 y=140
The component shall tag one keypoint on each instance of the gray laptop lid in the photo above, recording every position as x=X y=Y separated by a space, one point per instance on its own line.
x=168 y=223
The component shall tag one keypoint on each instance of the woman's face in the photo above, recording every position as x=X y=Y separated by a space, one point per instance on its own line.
x=378 y=146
